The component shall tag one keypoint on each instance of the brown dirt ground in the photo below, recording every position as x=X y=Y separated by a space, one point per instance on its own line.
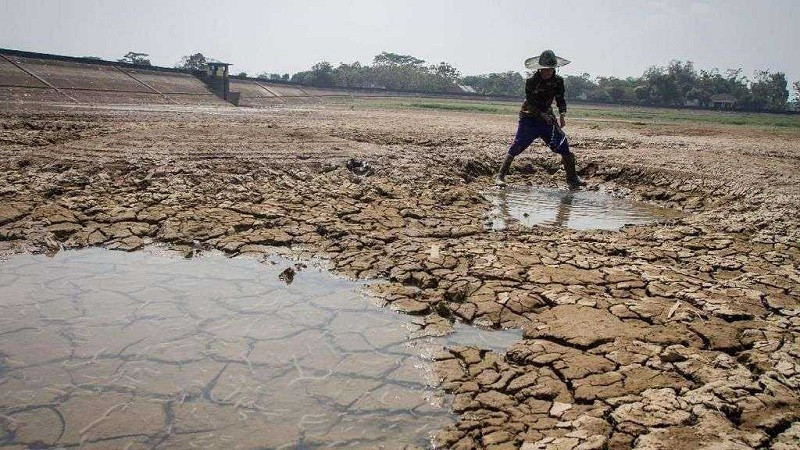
x=675 y=335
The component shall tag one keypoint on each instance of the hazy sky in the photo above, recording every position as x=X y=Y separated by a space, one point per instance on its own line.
x=602 y=37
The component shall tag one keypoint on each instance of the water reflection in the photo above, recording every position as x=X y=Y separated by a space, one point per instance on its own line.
x=132 y=349
x=570 y=209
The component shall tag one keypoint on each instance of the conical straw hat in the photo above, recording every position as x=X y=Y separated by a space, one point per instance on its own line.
x=547 y=60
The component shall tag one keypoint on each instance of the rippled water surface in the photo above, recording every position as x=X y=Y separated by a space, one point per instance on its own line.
x=582 y=210
x=143 y=350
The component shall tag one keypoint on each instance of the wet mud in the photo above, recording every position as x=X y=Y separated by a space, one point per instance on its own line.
x=680 y=331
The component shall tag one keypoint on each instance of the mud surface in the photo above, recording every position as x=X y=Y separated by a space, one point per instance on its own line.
x=677 y=332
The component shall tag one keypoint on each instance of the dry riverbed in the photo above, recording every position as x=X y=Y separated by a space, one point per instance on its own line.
x=675 y=334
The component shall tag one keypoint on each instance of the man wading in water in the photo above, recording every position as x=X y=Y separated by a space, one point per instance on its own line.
x=536 y=119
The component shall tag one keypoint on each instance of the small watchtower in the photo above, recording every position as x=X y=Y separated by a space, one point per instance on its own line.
x=218 y=69
x=217 y=78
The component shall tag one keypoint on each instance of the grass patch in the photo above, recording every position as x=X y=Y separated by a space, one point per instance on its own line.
x=440 y=104
x=633 y=115
x=640 y=115
x=477 y=107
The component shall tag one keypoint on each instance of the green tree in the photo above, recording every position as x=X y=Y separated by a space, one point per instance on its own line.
x=768 y=91
x=666 y=86
x=352 y=75
x=135 y=58
x=697 y=94
x=660 y=90
x=394 y=59
x=507 y=83
x=193 y=62
x=321 y=74
x=578 y=87
x=708 y=83
x=683 y=76
x=736 y=85
x=642 y=93
x=395 y=71
x=614 y=90
x=445 y=71
x=796 y=86
x=303 y=77
x=445 y=78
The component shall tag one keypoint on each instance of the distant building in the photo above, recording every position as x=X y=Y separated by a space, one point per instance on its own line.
x=468 y=89
x=372 y=86
x=693 y=102
x=723 y=101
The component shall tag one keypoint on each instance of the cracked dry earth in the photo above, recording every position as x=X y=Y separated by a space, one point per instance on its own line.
x=680 y=334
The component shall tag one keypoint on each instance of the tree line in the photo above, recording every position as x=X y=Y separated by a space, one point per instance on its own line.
x=390 y=71
x=676 y=84
x=680 y=84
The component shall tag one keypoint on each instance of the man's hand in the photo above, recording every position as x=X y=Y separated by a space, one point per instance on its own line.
x=561 y=121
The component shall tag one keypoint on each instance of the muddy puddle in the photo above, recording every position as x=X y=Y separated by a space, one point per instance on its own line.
x=580 y=210
x=149 y=349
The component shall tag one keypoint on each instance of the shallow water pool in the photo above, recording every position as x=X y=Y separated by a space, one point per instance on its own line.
x=151 y=350
x=581 y=210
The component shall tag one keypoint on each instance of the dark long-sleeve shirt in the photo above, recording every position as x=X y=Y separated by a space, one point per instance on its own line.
x=539 y=96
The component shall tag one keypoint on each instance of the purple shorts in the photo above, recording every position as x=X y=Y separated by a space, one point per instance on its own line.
x=529 y=129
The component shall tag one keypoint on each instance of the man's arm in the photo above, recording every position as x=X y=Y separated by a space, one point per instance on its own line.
x=561 y=102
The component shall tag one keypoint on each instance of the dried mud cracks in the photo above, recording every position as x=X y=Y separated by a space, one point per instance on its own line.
x=655 y=336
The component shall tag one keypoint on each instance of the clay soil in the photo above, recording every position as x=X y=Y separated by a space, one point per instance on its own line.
x=681 y=334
